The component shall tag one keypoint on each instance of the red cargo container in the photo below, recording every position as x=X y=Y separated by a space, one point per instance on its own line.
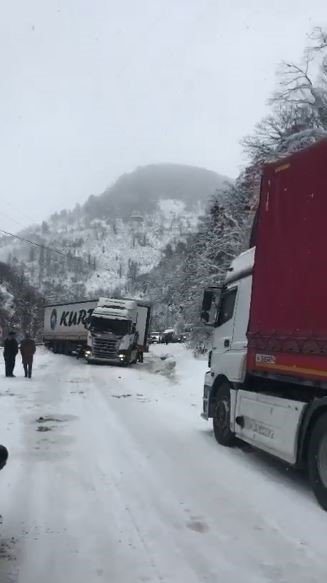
x=288 y=317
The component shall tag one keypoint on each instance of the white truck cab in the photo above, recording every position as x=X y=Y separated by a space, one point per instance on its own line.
x=229 y=319
x=229 y=349
x=112 y=331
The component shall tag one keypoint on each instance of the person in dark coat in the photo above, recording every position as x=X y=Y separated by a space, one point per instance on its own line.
x=27 y=349
x=9 y=353
x=3 y=456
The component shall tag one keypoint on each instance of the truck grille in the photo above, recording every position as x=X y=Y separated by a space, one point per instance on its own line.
x=104 y=348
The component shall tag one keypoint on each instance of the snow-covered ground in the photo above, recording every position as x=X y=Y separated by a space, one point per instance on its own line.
x=113 y=477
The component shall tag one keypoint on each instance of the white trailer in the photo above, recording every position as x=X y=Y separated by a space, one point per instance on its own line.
x=66 y=325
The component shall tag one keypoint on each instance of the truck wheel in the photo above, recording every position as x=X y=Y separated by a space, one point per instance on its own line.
x=221 y=417
x=127 y=361
x=317 y=460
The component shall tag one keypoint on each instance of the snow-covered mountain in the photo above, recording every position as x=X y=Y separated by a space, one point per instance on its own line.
x=20 y=304
x=102 y=246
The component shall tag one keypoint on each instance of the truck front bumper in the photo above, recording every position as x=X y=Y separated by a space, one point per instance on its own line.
x=110 y=360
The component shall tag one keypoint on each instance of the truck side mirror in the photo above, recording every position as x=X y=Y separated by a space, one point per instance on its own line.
x=205 y=316
x=207 y=300
x=210 y=305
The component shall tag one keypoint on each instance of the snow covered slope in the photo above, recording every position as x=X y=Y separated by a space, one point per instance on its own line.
x=20 y=305
x=116 y=236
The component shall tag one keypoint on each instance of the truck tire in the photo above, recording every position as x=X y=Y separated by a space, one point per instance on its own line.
x=221 y=416
x=317 y=460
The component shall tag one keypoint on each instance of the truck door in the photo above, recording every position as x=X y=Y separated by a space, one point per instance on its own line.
x=223 y=334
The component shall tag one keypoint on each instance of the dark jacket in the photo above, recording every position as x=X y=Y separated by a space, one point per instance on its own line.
x=10 y=348
x=27 y=349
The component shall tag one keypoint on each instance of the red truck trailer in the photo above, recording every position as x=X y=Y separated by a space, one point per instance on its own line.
x=267 y=382
x=288 y=316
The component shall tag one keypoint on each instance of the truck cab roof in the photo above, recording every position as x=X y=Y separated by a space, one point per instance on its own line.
x=241 y=266
x=116 y=309
x=117 y=304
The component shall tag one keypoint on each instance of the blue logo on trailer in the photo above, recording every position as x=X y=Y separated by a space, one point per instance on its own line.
x=53 y=319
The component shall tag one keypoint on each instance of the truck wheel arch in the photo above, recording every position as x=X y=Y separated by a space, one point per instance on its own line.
x=313 y=413
x=220 y=380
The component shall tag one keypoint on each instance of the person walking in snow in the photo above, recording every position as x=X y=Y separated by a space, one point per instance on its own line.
x=9 y=353
x=27 y=349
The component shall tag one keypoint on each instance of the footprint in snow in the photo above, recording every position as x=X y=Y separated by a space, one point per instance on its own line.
x=198 y=526
x=121 y=396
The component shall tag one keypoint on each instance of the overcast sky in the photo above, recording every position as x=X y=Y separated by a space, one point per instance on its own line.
x=93 y=88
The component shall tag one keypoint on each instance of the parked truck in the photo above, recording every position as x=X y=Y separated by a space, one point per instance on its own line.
x=104 y=330
x=267 y=378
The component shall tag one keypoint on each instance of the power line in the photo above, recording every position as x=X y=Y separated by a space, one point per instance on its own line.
x=17 y=210
x=33 y=242
x=53 y=249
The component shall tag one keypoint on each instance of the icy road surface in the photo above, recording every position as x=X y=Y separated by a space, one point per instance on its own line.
x=114 y=478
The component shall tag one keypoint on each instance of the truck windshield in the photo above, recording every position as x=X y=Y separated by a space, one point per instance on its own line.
x=116 y=326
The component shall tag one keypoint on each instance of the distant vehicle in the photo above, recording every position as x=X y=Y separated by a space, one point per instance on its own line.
x=267 y=378
x=106 y=330
x=169 y=336
x=155 y=337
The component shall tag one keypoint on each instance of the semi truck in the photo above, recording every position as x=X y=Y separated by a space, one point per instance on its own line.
x=267 y=378
x=104 y=330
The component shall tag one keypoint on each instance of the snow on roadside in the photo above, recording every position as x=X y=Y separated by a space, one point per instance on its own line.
x=130 y=484
x=160 y=363
x=254 y=505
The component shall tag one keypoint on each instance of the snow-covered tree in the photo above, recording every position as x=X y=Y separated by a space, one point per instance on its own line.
x=298 y=115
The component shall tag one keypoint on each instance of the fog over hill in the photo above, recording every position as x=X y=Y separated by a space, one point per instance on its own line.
x=115 y=236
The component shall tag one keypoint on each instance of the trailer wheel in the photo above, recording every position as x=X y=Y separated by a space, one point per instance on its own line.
x=221 y=417
x=317 y=460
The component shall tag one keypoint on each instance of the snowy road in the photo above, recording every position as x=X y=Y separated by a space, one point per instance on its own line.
x=125 y=484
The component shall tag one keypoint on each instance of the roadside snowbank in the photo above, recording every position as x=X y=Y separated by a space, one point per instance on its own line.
x=159 y=363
